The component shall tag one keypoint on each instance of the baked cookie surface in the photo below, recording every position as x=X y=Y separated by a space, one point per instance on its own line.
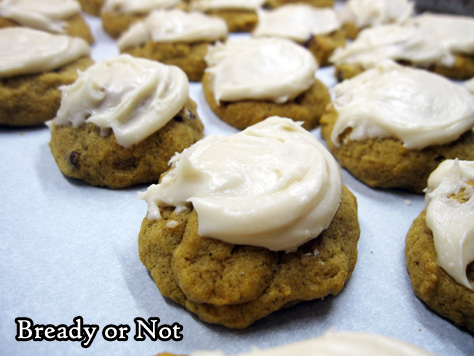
x=236 y=285
x=83 y=153
x=92 y=7
x=315 y=3
x=32 y=99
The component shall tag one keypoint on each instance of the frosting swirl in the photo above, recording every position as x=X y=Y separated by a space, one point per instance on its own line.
x=272 y=185
x=207 y=5
x=133 y=96
x=261 y=68
x=417 y=107
x=27 y=51
x=452 y=221
x=137 y=6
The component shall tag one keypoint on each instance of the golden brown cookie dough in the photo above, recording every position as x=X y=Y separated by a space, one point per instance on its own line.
x=431 y=283
x=187 y=56
x=76 y=27
x=237 y=20
x=32 y=99
x=322 y=46
x=307 y=107
x=115 y=24
x=84 y=153
x=235 y=285
x=462 y=69
x=386 y=163
x=316 y=3
x=351 y=30
x=92 y=7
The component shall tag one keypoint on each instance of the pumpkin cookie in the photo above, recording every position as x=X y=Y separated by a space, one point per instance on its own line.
x=116 y=126
x=250 y=238
x=439 y=249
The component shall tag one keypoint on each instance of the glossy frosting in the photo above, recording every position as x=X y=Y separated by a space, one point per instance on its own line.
x=174 y=26
x=27 y=51
x=417 y=107
x=367 y=13
x=455 y=32
x=133 y=96
x=272 y=185
x=264 y=68
x=46 y=15
x=395 y=42
x=333 y=343
x=296 y=21
x=451 y=221
x=137 y=6
x=207 y=5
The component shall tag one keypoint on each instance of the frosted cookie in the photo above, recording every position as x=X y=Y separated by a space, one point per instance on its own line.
x=174 y=37
x=456 y=33
x=391 y=126
x=316 y=3
x=315 y=28
x=408 y=45
x=356 y=15
x=244 y=225
x=121 y=122
x=335 y=343
x=440 y=244
x=118 y=15
x=249 y=80
x=55 y=16
x=33 y=65
x=92 y=7
x=240 y=15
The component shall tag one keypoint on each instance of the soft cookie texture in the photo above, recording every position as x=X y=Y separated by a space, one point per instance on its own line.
x=316 y=3
x=92 y=7
x=32 y=99
x=306 y=107
x=235 y=285
x=386 y=163
x=431 y=283
x=85 y=154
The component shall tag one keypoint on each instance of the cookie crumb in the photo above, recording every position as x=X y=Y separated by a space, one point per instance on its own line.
x=316 y=252
x=172 y=224
x=420 y=330
x=371 y=252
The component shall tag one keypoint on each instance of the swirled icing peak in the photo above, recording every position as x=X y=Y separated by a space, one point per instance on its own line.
x=137 y=6
x=417 y=107
x=260 y=68
x=450 y=220
x=272 y=185
x=133 y=96
x=207 y=5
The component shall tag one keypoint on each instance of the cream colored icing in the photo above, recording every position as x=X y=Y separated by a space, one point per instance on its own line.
x=133 y=96
x=137 y=6
x=367 y=13
x=296 y=21
x=416 y=106
x=342 y=343
x=27 y=51
x=174 y=26
x=456 y=33
x=272 y=185
x=46 y=15
x=393 y=42
x=469 y=85
x=451 y=221
x=207 y=5
x=260 y=68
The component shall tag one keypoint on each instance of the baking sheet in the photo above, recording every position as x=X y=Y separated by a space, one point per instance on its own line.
x=68 y=249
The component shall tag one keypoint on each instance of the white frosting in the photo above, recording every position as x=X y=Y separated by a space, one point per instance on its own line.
x=296 y=21
x=272 y=185
x=416 y=106
x=133 y=96
x=451 y=221
x=27 y=51
x=137 y=6
x=469 y=85
x=456 y=33
x=367 y=13
x=393 y=42
x=174 y=26
x=265 y=68
x=207 y=5
x=46 y=15
x=332 y=343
